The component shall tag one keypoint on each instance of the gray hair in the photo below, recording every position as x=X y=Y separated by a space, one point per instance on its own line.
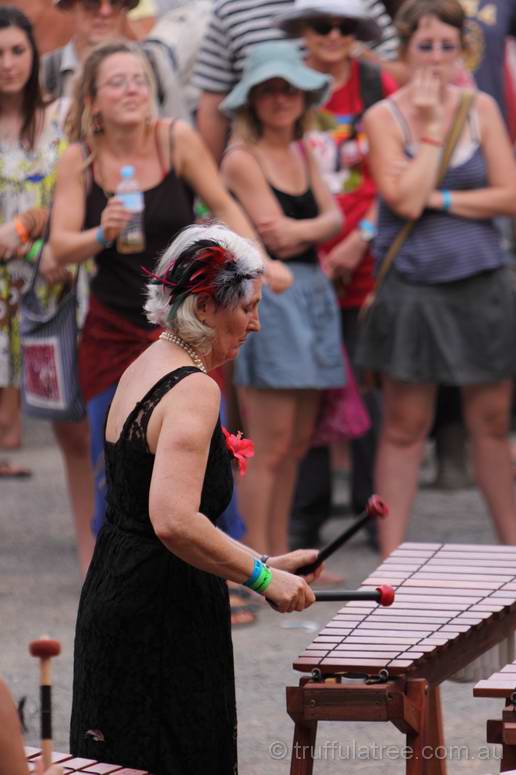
x=233 y=282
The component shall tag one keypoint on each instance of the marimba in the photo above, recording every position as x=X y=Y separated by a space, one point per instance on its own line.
x=503 y=732
x=453 y=603
x=74 y=764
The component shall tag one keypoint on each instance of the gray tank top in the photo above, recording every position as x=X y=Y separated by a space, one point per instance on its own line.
x=443 y=247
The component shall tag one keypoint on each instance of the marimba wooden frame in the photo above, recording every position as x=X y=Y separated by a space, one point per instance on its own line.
x=411 y=705
x=410 y=699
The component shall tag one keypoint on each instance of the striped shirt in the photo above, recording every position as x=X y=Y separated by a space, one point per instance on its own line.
x=238 y=25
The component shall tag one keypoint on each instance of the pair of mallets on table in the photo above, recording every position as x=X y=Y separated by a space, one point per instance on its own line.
x=45 y=648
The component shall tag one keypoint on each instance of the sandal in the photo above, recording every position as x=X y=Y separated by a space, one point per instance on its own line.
x=242 y=613
x=10 y=471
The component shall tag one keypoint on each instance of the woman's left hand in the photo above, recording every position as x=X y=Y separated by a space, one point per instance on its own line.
x=293 y=560
x=281 y=235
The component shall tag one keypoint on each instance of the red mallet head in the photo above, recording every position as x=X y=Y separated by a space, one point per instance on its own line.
x=45 y=647
x=387 y=595
x=376 y=507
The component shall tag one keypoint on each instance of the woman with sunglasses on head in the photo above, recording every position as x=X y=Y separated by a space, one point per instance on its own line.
x=330 y=30
x=445 y=312
x=112 y=125
x=31 y=141
x=280 y=375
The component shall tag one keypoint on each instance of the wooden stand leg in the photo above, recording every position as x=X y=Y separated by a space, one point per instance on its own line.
x=436 y=764
x=303 y=748
x=417 y=693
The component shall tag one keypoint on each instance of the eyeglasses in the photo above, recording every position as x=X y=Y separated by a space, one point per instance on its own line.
x=272 y=89
x=94 y=5
x=123 y=81
x=325 y=26
x=446 y=47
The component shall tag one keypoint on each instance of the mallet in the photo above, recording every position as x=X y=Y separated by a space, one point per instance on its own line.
x=375 y=508
x=45 y=648
x=383 y=595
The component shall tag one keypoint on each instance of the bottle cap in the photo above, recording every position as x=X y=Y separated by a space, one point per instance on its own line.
x=127 y=171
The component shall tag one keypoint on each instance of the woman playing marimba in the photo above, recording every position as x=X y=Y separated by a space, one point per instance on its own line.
x=153 y=678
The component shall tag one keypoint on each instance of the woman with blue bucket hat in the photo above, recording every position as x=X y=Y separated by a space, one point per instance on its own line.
x=280 y=376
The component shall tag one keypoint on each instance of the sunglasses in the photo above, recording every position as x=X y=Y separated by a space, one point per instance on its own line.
x=325 y=26
x=94 y=5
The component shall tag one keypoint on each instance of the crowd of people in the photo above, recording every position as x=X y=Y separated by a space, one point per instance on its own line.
x=329 y=199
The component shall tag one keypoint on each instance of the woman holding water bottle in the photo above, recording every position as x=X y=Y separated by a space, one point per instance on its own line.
x=125 y=188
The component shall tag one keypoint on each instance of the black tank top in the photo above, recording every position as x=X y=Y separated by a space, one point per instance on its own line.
x=119 y=282
x=298 y=207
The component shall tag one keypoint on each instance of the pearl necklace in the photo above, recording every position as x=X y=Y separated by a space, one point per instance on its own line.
x=169 y=336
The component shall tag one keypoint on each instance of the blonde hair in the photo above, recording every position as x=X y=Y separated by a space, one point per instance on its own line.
x=80 y=124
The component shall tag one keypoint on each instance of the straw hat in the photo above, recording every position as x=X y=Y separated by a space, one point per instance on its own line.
x=277 y=59
x=292 y=23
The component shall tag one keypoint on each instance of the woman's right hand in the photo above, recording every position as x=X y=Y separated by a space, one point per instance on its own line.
x=9 y=241
x=277 y=276
x=114 y=218
x=425 y=93
x=288 y=592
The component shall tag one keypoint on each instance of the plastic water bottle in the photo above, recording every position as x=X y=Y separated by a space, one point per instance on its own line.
x=132 y=238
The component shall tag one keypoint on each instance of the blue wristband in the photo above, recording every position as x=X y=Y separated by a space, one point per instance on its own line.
x=257 y=569
x=101 y=238
x=447 y=200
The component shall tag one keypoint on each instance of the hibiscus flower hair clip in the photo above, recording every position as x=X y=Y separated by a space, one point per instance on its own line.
x=240 y=448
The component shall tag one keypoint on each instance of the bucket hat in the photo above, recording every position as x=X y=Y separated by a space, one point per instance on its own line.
x=277 y=59
x=293 y=21
x=64 y=5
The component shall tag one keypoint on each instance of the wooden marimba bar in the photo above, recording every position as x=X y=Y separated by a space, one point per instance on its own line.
x=453 y=603
x=75 y=764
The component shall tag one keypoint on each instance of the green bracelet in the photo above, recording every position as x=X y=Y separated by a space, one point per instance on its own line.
x=35 y=250
x=263 y=580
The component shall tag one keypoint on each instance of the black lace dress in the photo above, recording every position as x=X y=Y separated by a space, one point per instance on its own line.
x=153 y=669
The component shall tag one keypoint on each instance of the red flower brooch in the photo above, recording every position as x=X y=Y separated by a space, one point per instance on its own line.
x=241 y=449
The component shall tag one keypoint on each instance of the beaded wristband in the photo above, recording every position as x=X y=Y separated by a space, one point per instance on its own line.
x=447 y=200
x=253 y=578
x=431 y=141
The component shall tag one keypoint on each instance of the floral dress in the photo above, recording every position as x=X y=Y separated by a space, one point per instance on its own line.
x=27 y=179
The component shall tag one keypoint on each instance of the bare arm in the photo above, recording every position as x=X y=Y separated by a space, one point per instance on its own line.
x=212 y=124
x=193 y=161
x=186 y=420
x=69 y=243
x=499 y=198
x=406 y=185
x=285 y=236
